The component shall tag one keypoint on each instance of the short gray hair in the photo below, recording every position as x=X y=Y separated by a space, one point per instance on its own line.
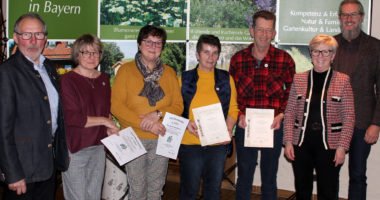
x=31 y=15
x=358 y=3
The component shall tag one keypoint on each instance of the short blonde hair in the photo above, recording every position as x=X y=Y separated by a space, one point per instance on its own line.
x=324 y=39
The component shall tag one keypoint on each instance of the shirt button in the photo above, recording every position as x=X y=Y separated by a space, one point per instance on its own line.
x=50 y=145
x=38 y=76
x=46 y=98
x=48 y=122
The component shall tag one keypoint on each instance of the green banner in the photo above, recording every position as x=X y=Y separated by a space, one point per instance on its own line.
x=301 y=20
x=224 y=34
x=65 y=19
x=119 y=32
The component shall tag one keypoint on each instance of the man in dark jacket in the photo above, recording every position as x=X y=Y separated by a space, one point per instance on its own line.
x=358 y=56
x=32 y=140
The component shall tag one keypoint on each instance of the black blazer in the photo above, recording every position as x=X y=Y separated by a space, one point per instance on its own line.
x=26 y=139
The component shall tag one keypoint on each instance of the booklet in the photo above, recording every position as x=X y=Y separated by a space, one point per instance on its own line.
x=168 y=145
x=124 y=147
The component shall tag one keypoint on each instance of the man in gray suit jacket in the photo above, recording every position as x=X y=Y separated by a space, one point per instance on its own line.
x=32 y=138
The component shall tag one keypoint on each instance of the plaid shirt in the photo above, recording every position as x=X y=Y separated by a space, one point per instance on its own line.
x=266 y=85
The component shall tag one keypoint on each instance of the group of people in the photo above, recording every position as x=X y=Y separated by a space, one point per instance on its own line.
x=50 y=123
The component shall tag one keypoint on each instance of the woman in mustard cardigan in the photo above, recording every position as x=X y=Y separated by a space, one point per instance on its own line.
x=143 y=91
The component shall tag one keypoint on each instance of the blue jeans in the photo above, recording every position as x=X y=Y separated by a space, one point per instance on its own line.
x=198 y=163
x=357 y=166
x=247 y=161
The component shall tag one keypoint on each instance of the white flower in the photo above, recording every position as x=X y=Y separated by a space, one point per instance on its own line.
x=176 y=9
x=135 y=2
x=177 y=22
x=165 y=16
x=135 y=20
x=119 y=9
x=125 y=23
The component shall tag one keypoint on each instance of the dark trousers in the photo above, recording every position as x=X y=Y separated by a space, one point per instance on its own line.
x=247 y=161
x=43 y=190
x=198 y=163
x=313 y=155
x=357 y=166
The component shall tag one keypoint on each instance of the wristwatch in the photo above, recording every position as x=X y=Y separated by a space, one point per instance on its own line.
x=159 y=114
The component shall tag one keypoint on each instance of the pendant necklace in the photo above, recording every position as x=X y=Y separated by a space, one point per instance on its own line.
x=89 y=79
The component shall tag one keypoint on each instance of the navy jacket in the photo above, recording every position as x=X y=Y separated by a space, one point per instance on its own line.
x=189 y=88
x=26 y=141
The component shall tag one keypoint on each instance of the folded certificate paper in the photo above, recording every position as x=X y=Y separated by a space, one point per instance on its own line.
x=212 y=127
x=258 y=132
x=124 y=147
x=168 y=145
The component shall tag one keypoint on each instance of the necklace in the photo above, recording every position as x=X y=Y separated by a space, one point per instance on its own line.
x=89 y=79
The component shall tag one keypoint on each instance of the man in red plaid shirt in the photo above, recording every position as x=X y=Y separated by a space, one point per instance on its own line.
x=263 y=75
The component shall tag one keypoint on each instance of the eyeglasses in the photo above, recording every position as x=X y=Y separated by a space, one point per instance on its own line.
x=347 y=15
x=150 y=43
x=87 y=54
x=324 y=53
x=28 y=35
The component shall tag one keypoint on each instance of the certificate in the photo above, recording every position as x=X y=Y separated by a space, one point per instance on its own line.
x=124 y=147
x=212 y=127
x=258 y=132
x=168 y=145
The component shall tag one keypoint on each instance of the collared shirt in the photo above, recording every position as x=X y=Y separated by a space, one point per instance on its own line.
x=264 y=84
x=51 y=91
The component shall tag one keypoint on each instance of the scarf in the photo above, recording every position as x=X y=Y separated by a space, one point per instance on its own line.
x=151 y=90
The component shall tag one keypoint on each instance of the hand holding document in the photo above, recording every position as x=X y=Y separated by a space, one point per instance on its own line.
x=168 y=145
x=258 y=132
x=124 y=147
x=212 y=127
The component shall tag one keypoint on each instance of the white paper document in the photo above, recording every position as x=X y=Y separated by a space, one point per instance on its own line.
x=258 y=132
x=124 y=147
x=212 y=127
x=168 y=145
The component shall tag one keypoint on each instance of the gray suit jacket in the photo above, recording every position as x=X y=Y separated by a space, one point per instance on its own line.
x=27 y=146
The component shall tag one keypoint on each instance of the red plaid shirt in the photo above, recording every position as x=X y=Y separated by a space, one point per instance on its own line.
x=266 y=85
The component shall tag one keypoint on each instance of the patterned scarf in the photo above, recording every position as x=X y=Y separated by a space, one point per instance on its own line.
x=152 y=90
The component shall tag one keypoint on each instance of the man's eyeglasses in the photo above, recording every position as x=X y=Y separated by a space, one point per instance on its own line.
x=347 y=15
x=150 y=43
x=324 y=53
x=28 y=35
x=87 y=54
